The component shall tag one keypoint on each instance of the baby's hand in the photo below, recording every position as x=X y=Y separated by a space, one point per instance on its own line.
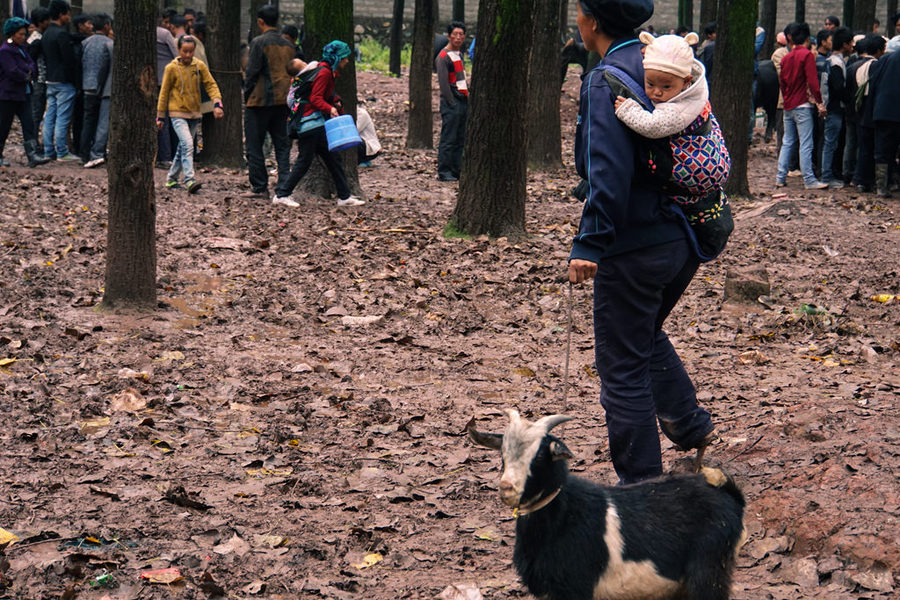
x=619 y=101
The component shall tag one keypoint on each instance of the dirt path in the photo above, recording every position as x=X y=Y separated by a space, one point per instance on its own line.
x=289 y=423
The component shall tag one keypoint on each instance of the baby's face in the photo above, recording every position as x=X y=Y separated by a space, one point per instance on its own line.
x=662 y=87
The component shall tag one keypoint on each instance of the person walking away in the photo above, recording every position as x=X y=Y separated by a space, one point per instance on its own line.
x=179 y=97
x=84 y=29
x=451 y=75
x=635 y=247
x=884 y=90
x=798 y=79
x=40 y=19
x=864 y=175
x=61 y=69
x=841 y=47
x=322 y=103
x=166 y=51
x=16 y=72
x=96 y=67
x=266 y=86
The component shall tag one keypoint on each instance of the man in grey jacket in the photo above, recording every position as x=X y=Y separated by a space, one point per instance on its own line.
x=96 y=68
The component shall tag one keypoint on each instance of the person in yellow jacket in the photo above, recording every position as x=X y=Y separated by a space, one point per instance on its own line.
x=179 y=96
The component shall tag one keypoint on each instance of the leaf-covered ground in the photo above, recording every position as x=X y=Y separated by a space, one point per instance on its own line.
x=289 y=423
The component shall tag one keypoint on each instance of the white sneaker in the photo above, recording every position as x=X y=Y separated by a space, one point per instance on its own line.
x=95 y=162
x=286 y=200
x=351 y=201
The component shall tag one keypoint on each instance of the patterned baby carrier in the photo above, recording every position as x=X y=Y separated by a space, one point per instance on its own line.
x=691 y=167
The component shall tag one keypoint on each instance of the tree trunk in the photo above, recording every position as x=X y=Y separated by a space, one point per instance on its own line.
x=686 y=14
x=328 y=20
x=494 y=169
x=396 y=38
x=459 y=10
x=847 y=14
x=255 y=5
x=732 y=82
x=131 y=236
x=543 y=129
x=222 y=144
x=419 y=133
x=768 y=20
x=708 y=11
x=888 y=29
x=800 y=13
x=864 y=17
x=4 y=10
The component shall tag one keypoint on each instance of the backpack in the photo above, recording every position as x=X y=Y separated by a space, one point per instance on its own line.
x=301 y=87
x=689 y=167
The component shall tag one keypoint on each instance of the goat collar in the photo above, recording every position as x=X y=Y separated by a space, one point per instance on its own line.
x=536 y=505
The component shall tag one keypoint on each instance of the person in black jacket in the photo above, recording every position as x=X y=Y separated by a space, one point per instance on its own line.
x=864 y=175
x=59 y=53
x=40 y=18
x=884 y=89
x=841 y=47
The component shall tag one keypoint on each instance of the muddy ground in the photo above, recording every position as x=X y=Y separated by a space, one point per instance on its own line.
x=289 y=422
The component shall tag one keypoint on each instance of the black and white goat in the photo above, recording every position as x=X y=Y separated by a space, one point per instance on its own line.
x=673 y=537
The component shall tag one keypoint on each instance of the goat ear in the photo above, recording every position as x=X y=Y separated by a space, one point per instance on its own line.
x=558 y=451
x=494 y=441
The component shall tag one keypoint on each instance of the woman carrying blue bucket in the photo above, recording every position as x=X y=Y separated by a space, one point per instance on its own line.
x=321 y=104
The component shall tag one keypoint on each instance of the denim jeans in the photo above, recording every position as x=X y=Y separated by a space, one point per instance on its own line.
x=60 y=102
x=95 y=131
x=183 y=162
x=833 y=124
x=642 y=379
x=798 y=128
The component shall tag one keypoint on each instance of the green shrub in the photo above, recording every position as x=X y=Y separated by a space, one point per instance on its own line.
x=376 y=57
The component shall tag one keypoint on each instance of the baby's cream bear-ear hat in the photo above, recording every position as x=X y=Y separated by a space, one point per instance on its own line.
x=669 y=53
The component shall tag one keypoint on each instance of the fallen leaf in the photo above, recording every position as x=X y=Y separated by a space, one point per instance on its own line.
x=128 y=400
x=461 y=591
x=7 y=537
x=167 y=576
x=369 y=560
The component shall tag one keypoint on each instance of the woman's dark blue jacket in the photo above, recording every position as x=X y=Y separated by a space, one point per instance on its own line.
x=620 y=213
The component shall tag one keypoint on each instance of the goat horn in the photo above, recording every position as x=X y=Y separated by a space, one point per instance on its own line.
x=552 y=421
x=513 y=415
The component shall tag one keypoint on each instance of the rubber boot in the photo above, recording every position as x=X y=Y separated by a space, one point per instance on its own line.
x=34 y=158
x=882 y=183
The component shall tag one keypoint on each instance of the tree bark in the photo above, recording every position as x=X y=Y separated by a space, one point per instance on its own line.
x=543 y=129
x=732 y=83
x=800 y=13
x=847 y=14
x=686 y=14
x=494 y=169
x=768 y=19
x=4 y=11
x=224 y=140
x=130 y=280
x=255 y=5
x=864 y=17
x=459 y=10
x=708 y=11
x=396 y=38
x=888 y=29
x=419 y=129
x=328 y=20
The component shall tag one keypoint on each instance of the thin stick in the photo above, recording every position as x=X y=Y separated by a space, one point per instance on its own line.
x=568 y=352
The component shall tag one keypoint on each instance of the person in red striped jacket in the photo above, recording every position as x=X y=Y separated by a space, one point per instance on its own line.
x=454 y=102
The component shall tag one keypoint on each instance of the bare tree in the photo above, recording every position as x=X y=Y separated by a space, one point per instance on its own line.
x=492 y=187
x=708 y=10
x=419 y=133
x=768 y=20
x=4 y=11
x=847 y=16
x=253 y=9
x=800 y=11
x=131 y=235
x=889 y=20
x=732 y=82
x=459 y=10
x=223 y=142
x=396 y=38
x=328 y=20
x=864 y=17
x=686 y=13
x=544 y=148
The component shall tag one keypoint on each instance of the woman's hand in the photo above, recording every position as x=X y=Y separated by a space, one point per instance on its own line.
x=218 y=112
x=335 y=112
x=581 y=270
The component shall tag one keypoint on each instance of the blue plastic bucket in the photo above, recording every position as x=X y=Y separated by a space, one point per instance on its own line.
x=341 y=133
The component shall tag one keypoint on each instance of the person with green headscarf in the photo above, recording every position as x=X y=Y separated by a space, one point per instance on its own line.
x=322 y=104
x=16 y=71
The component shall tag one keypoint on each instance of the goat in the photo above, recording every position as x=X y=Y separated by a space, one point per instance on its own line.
x=674 y=538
